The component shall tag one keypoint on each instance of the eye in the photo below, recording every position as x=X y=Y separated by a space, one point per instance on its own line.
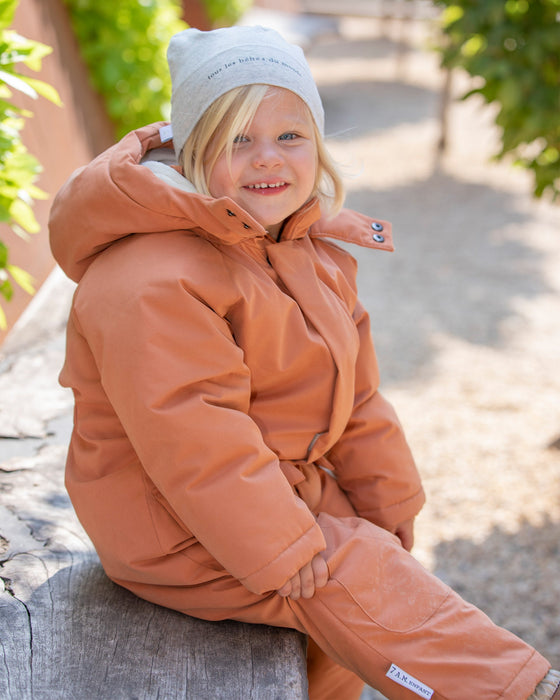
x=240 y=138
x=288 y=136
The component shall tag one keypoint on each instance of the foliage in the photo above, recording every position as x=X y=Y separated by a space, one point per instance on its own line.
x=18 y=168
x=224 y=13
x=514 y=46
x=124 y=46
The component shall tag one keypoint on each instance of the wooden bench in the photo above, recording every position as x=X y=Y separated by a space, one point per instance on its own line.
x=67 y=632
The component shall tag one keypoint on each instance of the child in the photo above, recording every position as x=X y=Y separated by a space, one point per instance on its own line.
x=231 y=455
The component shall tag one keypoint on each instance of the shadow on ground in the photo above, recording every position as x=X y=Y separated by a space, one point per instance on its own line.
x=361 y=49
x=463 y=262
x=371 y=104
x=502 y=576
x=374 y=106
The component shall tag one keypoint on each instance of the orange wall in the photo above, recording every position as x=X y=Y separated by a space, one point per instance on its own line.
x=62 y=139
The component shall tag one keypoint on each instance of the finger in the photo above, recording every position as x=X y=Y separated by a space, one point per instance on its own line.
x=405 y=532
x=286 y=589
x=307 y=579
x=408 y=541
x=320 y=571
x=295 y=593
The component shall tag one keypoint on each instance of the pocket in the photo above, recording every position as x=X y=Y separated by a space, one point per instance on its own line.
x=174 y=536
x=381 y=577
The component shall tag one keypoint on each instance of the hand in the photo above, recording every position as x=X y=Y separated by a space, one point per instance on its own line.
x=405 y=533
x=313 y=575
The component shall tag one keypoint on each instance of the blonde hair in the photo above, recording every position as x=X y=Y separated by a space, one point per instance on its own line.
x=228 y=117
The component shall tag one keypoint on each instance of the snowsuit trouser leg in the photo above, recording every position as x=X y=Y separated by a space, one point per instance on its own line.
x=327 y=679
x=381 y=609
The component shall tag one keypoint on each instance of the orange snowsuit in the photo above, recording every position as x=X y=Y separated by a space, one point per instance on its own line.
x=228 y=427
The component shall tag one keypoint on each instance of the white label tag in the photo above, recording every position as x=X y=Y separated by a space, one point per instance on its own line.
x=407 y=681
x=166 y=133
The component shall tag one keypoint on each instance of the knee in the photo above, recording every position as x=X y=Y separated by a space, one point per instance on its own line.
x=369 y=568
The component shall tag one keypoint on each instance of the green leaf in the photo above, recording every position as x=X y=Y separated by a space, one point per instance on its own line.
x=7 y=11
x=124 y=46
x=44 y=90
x=474 y=45
x=18 y=83
x=36 y=193
x=23 y=50
x=511 y=48
x=18 y=168
x=6 y=289
x=22 y=278
x=23 y=215
x=32 y=87
x=3 y=255
x=452 y=14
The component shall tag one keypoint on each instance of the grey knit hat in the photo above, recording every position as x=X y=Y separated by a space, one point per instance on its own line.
x=206 y=65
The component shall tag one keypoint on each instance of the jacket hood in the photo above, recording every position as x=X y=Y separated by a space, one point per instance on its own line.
x=116 y=196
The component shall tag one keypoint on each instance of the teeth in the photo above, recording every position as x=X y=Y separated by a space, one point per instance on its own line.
x=264 y=186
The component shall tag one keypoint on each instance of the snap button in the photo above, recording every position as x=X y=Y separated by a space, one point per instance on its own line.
x=376 y=226
x=230 y=212
x=378 y=238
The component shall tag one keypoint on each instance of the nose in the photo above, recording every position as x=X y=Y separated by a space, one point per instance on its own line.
x=267 y=155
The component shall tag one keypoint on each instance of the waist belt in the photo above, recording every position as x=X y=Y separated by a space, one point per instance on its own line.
x=305 y=479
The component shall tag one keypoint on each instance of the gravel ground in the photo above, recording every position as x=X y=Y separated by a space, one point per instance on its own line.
x=466 y=318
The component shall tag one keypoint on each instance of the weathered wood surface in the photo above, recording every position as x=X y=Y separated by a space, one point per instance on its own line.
x=66 y=631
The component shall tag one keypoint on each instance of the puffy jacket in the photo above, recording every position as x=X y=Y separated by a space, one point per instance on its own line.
x=207 y=360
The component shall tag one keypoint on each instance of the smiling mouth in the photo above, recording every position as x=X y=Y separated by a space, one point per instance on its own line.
x=266 y=186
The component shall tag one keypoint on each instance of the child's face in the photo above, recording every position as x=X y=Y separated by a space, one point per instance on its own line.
x=274 y=163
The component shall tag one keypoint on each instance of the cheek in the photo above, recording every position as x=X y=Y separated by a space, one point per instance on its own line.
x=220 y=180
x=310 y=168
